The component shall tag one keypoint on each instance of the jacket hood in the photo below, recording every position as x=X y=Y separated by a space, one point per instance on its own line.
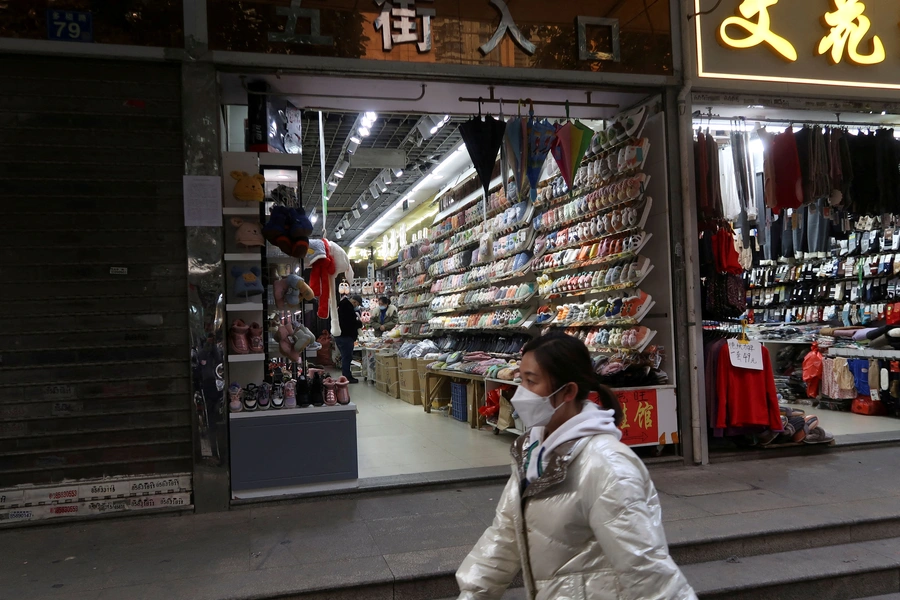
x=592 y=420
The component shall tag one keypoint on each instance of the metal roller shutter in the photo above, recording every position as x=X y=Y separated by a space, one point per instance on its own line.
x=95 y=372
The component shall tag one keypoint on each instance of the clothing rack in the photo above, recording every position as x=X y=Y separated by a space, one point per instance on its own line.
x=529 y=101
x=787 y=122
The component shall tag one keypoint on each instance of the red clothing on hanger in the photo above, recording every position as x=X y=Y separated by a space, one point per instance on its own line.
x=746 y=397
x=788 y=179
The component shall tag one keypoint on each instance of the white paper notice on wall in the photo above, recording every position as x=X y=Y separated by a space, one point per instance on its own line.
x=202 y=201
x=745 y=356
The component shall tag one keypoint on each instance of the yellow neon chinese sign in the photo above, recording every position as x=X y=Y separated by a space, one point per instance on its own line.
x=848 y=28
x=760 y=31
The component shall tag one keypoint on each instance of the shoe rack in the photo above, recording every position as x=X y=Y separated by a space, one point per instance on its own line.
x=252 y=266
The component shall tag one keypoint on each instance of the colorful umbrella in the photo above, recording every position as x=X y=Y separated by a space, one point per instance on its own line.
x=516 y=149
x=483 y=138
x=540 y=139
x=572 y=142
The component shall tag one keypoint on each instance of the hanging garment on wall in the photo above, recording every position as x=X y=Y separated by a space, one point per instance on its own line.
x=746 y=397
x=788 y=187
x=731 y=204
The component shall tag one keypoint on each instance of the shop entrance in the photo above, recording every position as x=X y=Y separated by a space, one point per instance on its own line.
x=798 y=237
x=580 y=244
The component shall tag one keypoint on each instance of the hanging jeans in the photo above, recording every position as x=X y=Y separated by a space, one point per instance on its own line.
x=345 y=345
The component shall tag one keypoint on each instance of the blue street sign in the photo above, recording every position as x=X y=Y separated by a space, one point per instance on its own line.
x=70 y=26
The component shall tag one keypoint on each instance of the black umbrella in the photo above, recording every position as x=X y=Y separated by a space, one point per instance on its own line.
x=483 y=138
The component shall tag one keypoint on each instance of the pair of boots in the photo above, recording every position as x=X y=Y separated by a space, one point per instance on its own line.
x=337 y=392
x=292 y=338
x=245 y=339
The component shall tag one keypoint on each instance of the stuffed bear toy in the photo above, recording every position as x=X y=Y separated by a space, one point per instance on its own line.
x=248 y=233
x=246 y=281
x=249 y=188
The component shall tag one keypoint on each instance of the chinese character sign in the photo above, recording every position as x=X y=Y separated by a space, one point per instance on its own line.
x=400 y=22
x=854 y=43
x=848 y=29
x=578 y=35
x=640 y=422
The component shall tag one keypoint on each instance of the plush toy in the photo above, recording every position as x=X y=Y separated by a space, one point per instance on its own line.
x=248 y=233
x=246 y=281
x=341 y=265
x=295 y=288
x=249 y=188
x=365 y=316
x=344 y=288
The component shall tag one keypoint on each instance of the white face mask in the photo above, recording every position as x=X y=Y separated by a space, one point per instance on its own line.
x=534 y=410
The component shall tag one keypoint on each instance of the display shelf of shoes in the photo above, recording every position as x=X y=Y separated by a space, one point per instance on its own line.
x=414 y=304
x=598 y=290
x=239 y=358
x=468 y=307
x=602 y=323
x=522 y=325
x=596 y=263
x=615 y=349
x=455 y=249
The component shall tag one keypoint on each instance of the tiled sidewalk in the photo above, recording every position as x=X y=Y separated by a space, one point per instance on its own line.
x=271 y=551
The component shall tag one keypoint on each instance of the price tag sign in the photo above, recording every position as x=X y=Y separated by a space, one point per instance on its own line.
x=70 y=26
x=745 y=356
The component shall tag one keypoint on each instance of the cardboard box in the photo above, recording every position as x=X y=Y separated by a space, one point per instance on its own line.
x=409 y=381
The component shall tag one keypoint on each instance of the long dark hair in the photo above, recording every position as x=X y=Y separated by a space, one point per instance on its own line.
x=566 y=360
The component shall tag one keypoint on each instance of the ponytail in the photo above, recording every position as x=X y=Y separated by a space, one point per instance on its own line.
x=609 y=401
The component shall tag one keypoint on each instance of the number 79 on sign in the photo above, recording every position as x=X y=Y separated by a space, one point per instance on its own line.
x=69 y=26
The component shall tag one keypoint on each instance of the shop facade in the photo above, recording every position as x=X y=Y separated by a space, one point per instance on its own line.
x=762 y=78
x=602 y=66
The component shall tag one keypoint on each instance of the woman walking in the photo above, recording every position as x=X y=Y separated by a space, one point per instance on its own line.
x=579 y=517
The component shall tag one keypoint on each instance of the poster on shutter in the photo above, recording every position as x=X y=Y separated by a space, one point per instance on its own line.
x=747 y=355
x=202 y=201
x=640 y=416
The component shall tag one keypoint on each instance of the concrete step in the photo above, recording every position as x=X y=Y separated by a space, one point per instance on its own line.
x=693 y=541
x=722 y=541
x=840 y=572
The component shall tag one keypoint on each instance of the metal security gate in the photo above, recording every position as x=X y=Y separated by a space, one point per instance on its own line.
x=94 y=346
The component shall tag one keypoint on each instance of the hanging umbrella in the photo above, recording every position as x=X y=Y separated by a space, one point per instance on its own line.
x=483 y=138
x=540 y=139
x=573 y=139
x=516 y=149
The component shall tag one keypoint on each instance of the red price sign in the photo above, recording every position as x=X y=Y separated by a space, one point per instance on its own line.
x=640 y=423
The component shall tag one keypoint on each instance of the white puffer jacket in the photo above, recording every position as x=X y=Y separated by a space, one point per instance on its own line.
x=590 y=528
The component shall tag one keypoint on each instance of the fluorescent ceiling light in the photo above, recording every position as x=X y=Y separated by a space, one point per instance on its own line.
x=424 y=126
